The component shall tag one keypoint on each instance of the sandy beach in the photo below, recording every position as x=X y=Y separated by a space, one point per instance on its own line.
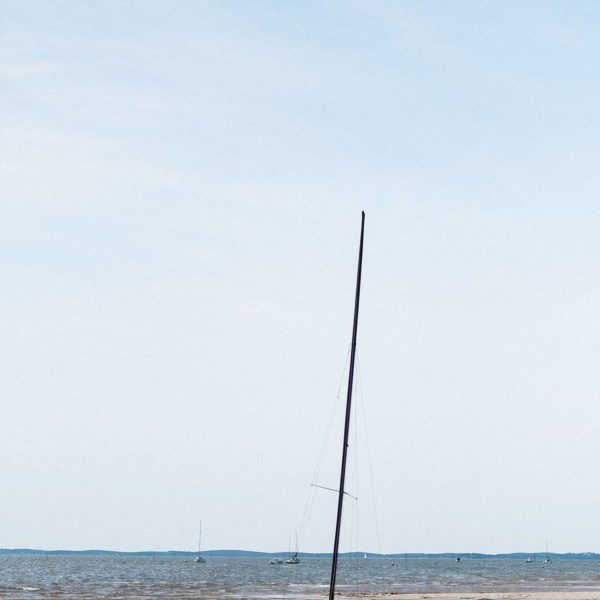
x=562 y=595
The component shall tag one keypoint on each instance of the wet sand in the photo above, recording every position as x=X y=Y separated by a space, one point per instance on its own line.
x=562 y=595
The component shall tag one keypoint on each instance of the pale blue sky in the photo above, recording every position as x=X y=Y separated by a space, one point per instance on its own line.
x=181 y=194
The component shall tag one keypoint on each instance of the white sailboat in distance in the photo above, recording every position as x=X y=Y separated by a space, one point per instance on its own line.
x=200 y=558
x=293 y=559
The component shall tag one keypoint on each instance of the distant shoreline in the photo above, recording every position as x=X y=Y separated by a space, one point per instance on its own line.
x=257 y=554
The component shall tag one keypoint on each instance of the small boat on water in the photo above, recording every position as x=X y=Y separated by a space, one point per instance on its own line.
x=276 y=561
x=293 y=558
x=200 y=559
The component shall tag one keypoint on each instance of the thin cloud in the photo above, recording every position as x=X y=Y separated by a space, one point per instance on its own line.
x=27 y=70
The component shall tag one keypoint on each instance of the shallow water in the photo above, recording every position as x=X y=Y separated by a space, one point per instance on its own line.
x=89 y=577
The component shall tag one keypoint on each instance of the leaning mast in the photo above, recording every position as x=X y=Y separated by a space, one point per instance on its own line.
x=338 y=524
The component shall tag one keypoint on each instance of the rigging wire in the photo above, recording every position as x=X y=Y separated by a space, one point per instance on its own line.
x=332 y=414
x=353 y=533
x=370 y=462
x=308 y=505
x=356 y=387
x=321 y=455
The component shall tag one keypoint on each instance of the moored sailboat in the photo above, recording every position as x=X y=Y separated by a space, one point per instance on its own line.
x=293 y=558
x=200 y=559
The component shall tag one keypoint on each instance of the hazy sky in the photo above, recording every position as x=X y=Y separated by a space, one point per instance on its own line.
x=180 y=209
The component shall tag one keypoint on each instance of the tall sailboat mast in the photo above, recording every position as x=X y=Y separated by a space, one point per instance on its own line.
x=338 y=524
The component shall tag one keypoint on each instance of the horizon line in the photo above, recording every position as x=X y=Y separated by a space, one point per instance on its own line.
x=259 y=553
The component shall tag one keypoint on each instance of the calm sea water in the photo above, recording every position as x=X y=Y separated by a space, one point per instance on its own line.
x=87 y=577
